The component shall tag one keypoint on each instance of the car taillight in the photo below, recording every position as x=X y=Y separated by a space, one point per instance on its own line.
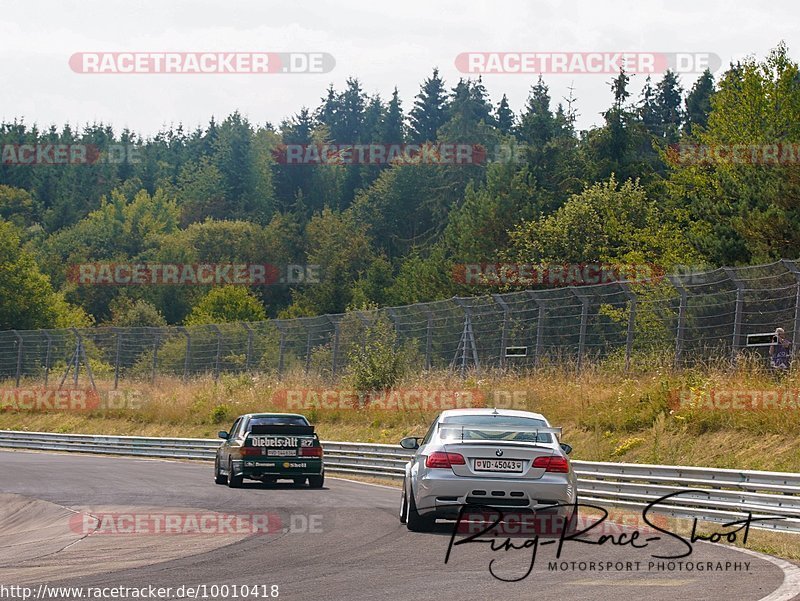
x=311 y=451
x=554 y=463
x=248 y=451
x=440 y=459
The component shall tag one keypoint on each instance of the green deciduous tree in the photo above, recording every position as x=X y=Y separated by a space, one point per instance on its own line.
x=28 y=299
x=226 y=304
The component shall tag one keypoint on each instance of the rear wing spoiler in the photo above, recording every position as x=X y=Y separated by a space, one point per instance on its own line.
x=458 y=430
x=282 y=430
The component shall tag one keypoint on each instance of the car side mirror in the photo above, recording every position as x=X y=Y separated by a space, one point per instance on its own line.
x=566 y=448
x=223 y=434
x=410 y=442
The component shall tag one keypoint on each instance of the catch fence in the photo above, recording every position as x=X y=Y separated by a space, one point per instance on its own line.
x=680 y=319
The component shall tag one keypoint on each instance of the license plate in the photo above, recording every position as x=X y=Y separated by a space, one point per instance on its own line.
x=498 y=465
x=281 y=452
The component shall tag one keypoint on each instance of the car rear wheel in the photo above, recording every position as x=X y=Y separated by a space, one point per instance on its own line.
x=316 y=481
x=219 y=478
x=416 y=522
x=572 y=521
x=233 y=481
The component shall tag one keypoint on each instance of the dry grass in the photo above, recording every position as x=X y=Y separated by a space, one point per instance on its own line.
x=606 y=416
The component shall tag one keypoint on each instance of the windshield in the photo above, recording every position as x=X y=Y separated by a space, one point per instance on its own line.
x=476 y=427
x=279 y=420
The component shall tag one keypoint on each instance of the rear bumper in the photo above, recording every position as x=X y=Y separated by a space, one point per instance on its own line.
x=257 y=469
x=444 y=494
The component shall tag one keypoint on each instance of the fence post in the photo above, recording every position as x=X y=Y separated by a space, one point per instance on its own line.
x=428 y=339
x=335 y=350
x=467 y=338
x=78 y=349
x=47 y=356
x=395 y=324
x=737 y=317
x=539 y=326
x=281 y=345
x=86 y=361
x=249 y=354
x=504 y=333
x=19 y=355
x=584 y=320
x=219 y=351
x=366 y=324
x=792 y=266
x=187 y=359
x=676 y=283
x=631 y=323
x=155 y=357
x=308 y=350
x=118 y=333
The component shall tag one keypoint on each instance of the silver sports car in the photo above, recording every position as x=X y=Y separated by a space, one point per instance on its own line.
x=498 y=458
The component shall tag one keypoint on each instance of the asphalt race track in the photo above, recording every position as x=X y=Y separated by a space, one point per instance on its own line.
x=341 y=543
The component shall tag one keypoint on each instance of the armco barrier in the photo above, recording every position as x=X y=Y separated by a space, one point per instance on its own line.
x=721 y=495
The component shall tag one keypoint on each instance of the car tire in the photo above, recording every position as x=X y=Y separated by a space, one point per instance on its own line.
x=219 y=478
x=316 y=481
x=403 y=505
x=416 y=522
x=234 y=481
x=572 y=521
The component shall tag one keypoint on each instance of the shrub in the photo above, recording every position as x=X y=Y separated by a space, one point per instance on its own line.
x=380 y=362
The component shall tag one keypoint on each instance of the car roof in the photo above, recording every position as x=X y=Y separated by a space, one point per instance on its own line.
x=492 y=411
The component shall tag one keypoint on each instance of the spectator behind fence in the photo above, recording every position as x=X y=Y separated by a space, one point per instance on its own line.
x=779 y=353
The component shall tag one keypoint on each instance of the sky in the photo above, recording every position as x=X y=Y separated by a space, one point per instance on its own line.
x=383 y=44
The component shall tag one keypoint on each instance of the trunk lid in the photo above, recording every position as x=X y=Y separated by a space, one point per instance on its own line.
x=499 y=451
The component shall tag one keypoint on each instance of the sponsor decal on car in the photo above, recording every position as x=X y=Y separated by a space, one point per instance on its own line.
x=274 y=441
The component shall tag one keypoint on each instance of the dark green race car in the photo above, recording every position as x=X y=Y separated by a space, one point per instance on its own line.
x=268 y=447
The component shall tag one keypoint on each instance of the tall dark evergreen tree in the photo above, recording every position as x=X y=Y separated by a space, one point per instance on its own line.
x=537 y=124
x=429 y=112
x=669 y=98
x=349 y=124
x=504 y=116
x=372 y=119
x=698 y=102
x=292 y=182
x=393 y=127
x=648 y=108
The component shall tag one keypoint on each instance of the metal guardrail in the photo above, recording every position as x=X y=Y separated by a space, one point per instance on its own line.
x=720 y=495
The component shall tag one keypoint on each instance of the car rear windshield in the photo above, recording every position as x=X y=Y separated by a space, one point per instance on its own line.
x=472 y=428
x=279 y=420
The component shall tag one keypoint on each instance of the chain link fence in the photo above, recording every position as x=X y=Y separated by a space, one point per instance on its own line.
x=683 y=319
